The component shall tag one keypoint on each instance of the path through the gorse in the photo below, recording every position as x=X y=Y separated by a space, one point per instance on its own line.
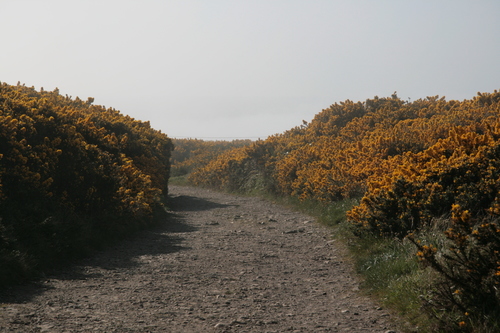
x=223 y=263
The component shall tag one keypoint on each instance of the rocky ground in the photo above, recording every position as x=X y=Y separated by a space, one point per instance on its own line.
x=222 y=263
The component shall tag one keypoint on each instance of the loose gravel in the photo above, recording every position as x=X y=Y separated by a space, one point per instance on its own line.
x=221 y=263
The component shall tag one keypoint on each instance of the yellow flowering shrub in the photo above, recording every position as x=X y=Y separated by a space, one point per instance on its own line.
x=409 y=162
x=71 y=172
x=191 y=154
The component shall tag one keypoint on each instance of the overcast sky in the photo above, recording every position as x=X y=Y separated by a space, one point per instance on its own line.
x=248 y=68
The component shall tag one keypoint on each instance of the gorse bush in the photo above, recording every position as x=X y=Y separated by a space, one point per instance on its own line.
x=334 y=155
x=411 y=163
x=466 y=297
x=461 y=169
x=459 y=176
x=191 y=154
x=71 y=173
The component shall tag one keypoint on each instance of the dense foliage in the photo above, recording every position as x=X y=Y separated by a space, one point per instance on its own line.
x=191 y=154
x=413 y=163
x=71 y=174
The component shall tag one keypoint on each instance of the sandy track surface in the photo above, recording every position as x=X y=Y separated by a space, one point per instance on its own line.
x=222 y=264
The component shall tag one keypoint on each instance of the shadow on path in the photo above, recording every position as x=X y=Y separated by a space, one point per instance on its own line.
x=123 y=257
x=186 y=203
x=119 y=257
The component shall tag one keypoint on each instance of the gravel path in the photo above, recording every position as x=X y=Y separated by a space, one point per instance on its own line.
x=223 y=264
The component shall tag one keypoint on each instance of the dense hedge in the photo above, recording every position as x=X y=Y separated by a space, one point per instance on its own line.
x=72 y=175
x=191 y=154
x=412 y=164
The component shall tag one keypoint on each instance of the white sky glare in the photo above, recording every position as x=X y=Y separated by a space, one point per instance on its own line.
x=248 y=69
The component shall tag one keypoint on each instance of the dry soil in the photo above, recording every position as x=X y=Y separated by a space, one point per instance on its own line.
x=222 y=263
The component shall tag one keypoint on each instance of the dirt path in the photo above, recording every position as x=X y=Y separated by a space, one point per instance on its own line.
x=225 y=264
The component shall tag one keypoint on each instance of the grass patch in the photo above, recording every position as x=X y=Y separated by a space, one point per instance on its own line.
x=179 y=180
x=392 y=274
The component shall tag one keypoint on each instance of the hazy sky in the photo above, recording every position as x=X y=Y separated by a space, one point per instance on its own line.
x=248 y=68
